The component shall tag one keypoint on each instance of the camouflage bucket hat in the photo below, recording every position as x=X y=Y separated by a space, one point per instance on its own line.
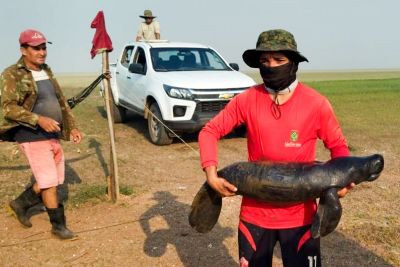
x=271 y=41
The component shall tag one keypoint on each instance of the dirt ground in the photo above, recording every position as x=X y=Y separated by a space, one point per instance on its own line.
x=150 y=228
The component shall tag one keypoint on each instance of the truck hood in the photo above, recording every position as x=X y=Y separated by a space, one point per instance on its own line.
x=205 y=79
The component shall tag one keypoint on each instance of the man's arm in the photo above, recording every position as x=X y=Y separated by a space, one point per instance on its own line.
x=48 y=124
x=331 y=134
x=157 y=30
x=222 y=124
x=11 y=103
x=139 y=35
x=76 y=136
x=343 y=192
x=219 y=126
x=219 y=184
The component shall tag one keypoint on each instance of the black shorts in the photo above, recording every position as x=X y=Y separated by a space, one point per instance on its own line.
x=256 y=246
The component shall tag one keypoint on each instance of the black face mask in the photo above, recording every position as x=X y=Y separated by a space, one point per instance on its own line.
x=279 y=78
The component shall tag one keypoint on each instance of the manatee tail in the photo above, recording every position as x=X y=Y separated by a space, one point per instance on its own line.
x=206 y=207
x=328 y=214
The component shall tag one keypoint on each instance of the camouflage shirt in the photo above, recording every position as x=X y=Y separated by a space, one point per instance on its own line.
x=18 y=96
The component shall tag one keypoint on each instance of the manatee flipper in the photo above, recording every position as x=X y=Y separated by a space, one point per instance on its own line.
x=328 y=214
x=206 y=207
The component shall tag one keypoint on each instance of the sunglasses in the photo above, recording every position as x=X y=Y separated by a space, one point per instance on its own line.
x=38 y=48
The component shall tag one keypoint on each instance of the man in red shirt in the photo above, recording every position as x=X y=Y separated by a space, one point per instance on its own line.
x=283 y=118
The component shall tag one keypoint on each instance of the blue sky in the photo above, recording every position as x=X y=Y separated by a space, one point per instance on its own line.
x=333 y=35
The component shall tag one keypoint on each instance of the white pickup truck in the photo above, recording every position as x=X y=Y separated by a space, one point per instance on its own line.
x=182 y=84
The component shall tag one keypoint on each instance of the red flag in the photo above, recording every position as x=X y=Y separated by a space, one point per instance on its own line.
x=101 y=40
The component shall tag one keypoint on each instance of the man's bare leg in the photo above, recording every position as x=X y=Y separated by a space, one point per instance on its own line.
x=36 y=188
x=49 y=197
x=56 y=213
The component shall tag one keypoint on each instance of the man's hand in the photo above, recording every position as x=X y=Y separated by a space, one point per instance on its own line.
x=48 y=124
x=76 y=136
x=342 y=192
x=222 y=186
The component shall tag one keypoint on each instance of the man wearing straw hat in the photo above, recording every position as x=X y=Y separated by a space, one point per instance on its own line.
x=284 y=118
x=149 y=29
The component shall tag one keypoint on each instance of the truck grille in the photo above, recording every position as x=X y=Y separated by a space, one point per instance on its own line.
x=215 y=94
x=210 y=106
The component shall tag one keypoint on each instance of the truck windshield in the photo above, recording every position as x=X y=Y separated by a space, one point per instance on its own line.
x=186 y=59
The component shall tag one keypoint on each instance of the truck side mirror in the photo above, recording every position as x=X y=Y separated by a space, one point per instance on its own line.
x=234 y=66
x=137 y=68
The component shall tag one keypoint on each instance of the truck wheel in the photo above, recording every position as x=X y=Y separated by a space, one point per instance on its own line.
x=158 y=133
x=119 y=113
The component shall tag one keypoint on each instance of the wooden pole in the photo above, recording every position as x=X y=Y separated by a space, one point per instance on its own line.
x=112 y=179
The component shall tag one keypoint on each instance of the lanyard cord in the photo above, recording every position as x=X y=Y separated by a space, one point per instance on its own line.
x=275 y=107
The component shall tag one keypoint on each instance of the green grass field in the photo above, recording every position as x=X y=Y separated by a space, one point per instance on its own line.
x=367 y=104
x=368 y=110
x=311 y=76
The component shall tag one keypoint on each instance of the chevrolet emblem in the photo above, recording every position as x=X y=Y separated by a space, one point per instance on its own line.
x=226 y=96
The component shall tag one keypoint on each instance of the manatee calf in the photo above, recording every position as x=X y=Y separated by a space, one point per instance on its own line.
x=285 y=183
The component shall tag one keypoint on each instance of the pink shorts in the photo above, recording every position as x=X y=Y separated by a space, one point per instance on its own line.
x=46 y=159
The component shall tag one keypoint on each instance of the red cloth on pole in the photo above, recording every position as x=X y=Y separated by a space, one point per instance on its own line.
x=101 y=40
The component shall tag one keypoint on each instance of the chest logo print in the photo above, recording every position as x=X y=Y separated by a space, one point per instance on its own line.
x=294 y=140
x=294 y=136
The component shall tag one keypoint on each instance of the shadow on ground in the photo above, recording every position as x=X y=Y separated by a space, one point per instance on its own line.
x=71 y=177
x=193 y=249
x=339 y=250
x=93 y=143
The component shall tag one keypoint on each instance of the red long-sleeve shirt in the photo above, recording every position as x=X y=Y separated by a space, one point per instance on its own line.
x=292 y=137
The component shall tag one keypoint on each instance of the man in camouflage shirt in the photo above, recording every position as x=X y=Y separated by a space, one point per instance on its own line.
x=34 y=113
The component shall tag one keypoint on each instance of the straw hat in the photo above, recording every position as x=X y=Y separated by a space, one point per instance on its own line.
x=147 y=14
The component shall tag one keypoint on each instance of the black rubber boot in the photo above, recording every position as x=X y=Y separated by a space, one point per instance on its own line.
x=57 y=219
x=22 y=203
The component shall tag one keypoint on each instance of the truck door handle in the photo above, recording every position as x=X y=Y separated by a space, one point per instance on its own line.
x=128 y=77
x=117 y=72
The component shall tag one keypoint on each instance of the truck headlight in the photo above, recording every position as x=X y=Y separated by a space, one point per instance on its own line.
x=176 y=92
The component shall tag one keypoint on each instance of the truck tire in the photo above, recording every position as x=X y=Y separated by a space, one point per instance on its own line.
x=119 y=113
x=157 y=132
